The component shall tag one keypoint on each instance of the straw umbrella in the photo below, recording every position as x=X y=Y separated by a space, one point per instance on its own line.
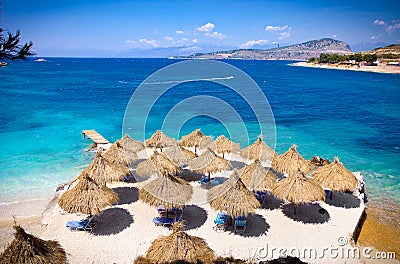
x=87 y=197
x=207 y=143
x=130 y=144
x=290 y=162
x=256 y=177
x=169 y=192
x=335 y=177
x=157 y=164
x=178 y=247
x=258 y=151
x=26 y=248
x=103 y=171
x=208 y=163
x=298 y=189
x=224 y=145
x=233 y=197
x=193 y=139
x=118 y=155
x=160 y=140
x=179 y=155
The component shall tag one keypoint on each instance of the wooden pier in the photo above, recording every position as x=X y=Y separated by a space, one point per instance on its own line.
x=95 y=136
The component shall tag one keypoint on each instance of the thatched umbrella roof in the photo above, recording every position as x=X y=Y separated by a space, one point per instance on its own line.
x=118 y=155
x=207 y=143
x=157 y=164
x=168 y=191
x=335 y=177
x=101 y=170
x=256 y=177
x=258 y=151
x=179 y=246
x=290 y=162
x=87 y=197
x=224 y=145
x=209 y=162
x=233 y=197
x=179 y=155
x=297 y=189
x=160 y=140
x=130 y=144
x=193 y=139
x=28 y=249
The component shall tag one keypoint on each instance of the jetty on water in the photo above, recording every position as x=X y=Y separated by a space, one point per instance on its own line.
x=98 y=139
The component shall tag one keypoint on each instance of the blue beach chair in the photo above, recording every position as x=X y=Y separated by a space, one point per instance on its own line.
x=167 y=221
x=240 y=224
x=220 y=222
x=81 y=225
x=203 y=180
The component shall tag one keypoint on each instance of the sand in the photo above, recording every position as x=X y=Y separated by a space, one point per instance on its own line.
x=379 y=69
x=126 y=230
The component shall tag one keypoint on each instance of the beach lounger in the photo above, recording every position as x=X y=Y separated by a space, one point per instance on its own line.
x=260 y=196
x=82 y=225
x=168 y=221
x=220 y=222
x=203 y=180
x=240 y=224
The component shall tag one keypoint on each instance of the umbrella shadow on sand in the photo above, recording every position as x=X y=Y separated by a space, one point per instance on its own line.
x=112 y=221
x=189 y=176
x=271 y=202
x=194 y=217
x=345 y=200
x=256 y=225
x=306 y=213
x=127 y=195
x=237 y=164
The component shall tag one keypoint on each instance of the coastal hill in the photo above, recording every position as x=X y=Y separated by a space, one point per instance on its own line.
x=388 y=53
x=302 y=51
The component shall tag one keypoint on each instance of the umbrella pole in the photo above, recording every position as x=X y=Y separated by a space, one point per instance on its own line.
x=195 y=153
x=223 y=155
x=330 y=195
x=294 y=209
x=209 y=176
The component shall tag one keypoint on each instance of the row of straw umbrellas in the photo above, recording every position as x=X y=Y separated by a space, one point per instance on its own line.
x=235 y=196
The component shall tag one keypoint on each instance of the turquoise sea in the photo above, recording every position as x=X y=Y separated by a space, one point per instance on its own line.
x=46 y=105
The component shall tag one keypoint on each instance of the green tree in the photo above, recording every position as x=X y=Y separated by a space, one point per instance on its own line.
x=10 y=47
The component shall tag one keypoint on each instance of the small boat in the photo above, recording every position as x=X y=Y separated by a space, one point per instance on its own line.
x=40 y=60
x=3 y=64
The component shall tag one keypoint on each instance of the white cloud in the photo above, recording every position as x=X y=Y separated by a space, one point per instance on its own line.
x=206 y=27
x=378 y=22
x=215 y=34
x=284 y=35
x=183 y=39
x=195 y=40
x=334 y=36
x=180 y=32
x=276 y=28
x=168 y=38
x=150 y=42
x=393 y=27
x=251 y=43
x=129 y=41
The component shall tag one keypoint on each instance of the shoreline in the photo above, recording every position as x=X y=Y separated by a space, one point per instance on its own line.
x=377 y=69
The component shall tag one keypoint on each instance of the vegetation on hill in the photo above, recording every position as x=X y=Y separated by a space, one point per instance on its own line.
x=336 y=58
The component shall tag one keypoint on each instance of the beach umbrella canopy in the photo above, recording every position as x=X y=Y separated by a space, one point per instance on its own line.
x=207 y=143
x=290 y=162
x=335 y=177
x=29 y=249
x=168 y=191
x=101 y=170
x=224 y=145
x=157 y=164
x=258 y=151
x=298 y=189
x=208 y=162
x=179 y=155
x=193 y=139
x=87 y=197
x=233 y=197
x=118 y=155
x=160 y=140
x=179 y=246
x=256 y=177
x=130 y=144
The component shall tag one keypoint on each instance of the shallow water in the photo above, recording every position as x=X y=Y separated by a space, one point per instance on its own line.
x=45 y=106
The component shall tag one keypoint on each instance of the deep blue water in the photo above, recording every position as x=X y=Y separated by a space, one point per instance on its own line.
x=46 y=105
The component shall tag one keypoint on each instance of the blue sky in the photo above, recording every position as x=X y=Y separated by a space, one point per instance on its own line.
x=68 y=28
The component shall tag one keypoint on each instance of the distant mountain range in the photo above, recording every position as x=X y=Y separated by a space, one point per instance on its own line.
x=302 y=51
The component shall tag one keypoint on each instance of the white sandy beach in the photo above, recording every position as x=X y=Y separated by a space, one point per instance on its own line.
x=379 y=69
x=126 y=230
